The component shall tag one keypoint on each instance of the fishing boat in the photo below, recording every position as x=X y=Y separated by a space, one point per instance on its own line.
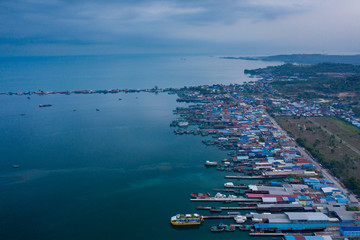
x=186 y=219
x=200 y=195
x=244 y=227
x=240 y=219
x=229 y=184
x=230 y=228
x=217 y=228
x=183 y=124
x=210 y=164
x=215 y=209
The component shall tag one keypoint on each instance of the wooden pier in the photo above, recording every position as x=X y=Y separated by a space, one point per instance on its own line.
x=238 y=187
x=223 y=190
x=266 y=234
x=247 y=177
x=219 y=217
x=228 y=208
x=227 y=200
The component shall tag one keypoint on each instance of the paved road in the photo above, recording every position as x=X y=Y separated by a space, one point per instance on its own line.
x=336 y=137
x=324 y=172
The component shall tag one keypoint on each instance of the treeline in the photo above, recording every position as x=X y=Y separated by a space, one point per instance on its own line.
x=305 y=70
x=305 y=58
x=312 y=88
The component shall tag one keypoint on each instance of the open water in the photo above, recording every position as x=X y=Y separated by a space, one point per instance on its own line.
x=117 y=173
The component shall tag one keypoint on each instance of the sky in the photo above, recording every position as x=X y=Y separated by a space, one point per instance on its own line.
x=242 y=27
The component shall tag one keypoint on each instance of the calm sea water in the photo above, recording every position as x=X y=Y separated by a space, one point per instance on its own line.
x=128 y=71
x=117 y=173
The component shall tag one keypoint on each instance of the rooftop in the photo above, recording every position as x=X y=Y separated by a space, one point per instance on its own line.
x=307 y=216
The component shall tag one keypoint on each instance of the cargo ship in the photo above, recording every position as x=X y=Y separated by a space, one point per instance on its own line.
x=186 y=219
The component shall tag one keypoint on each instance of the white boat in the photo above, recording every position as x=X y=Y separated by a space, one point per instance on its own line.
x=183 y=124
x=256 y=220
x=229 y=184
x=209 y=163
x=240 y=219
x=219 y=195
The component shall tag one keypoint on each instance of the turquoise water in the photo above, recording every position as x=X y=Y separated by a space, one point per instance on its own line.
x=117 y=173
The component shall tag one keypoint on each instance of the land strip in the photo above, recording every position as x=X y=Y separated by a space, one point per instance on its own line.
x=349 y=134
x=323 y=171
x=330 y=151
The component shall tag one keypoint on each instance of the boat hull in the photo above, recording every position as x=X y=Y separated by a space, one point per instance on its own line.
x=185 y=223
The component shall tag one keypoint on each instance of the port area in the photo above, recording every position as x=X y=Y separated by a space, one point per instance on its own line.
x=272 y=187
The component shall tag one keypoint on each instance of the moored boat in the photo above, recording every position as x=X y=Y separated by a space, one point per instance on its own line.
x=186 y=219
x=183 y=124
x=210 y=164
x=244 y=227
x=215 y=209
x=200 y=195
x=240 y=219
x=229 y=228
x=217 y=228
x=229 y=184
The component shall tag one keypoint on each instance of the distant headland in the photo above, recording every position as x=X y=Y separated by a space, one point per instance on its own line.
x=305 y=58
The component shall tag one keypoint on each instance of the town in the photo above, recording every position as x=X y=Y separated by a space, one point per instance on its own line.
x=292 y=193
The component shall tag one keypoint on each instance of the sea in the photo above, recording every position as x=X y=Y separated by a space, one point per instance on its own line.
x=105 y=166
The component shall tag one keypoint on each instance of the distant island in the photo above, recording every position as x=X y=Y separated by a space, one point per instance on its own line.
x=305 y=58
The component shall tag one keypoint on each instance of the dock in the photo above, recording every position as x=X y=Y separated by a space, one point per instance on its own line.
x=219 y=217
x=266 y=234
x=238 y=187
x=212 y=199
x=229 y=208
x=223 y=190
x=247 y=177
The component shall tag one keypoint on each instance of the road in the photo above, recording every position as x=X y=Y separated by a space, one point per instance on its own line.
x=336 y=137
x=325 y=173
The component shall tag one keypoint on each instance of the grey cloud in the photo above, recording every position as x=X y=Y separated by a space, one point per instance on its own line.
x=135 y=23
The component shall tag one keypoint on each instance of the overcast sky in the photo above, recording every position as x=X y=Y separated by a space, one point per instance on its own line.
x=242 y=27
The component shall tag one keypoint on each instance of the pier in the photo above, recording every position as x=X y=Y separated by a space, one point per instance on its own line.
x=247 y=177
x=212 y=199
x=219 y=217
x=228 y=208
x=266 y=234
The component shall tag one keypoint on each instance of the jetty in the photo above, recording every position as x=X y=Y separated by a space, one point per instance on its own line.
x=219 y=217
x=213 y=199
x=228 y=208
x=248 y=177
x=267 y=234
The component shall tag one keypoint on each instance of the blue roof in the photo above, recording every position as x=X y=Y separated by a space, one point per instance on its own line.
x=289 y=237
x=314 y=238
x=354 y=228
